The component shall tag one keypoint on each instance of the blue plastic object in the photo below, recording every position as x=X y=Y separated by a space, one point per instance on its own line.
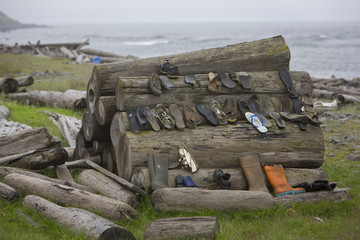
x=96 y=60
x=188 y=182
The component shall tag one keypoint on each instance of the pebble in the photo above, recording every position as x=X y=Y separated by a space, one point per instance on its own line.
x=331 y=154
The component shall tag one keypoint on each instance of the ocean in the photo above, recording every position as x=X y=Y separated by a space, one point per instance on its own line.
x=321 y=48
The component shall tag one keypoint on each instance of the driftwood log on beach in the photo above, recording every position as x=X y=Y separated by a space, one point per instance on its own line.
x=68 y=196
x=8 y=193
x=63 y=173
x=203 y=178
x=8 y=85
x=92 y=130
x=78 y=220
x=183 y=228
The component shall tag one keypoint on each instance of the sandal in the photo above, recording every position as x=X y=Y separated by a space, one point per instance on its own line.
x=279 y=121
x=176 y=113
x=206 y=112
x=225 y=80
x=256 y=121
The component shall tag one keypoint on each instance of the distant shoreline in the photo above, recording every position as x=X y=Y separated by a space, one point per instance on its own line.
x=4 y=28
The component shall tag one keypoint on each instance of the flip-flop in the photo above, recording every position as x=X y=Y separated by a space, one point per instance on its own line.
x=279 y=122
x=256 y=121
x=245 y=81
x=167 y=121
x=141 y=116
x=285 y=104
x=190 y=79
x=286 y=79
x=225 y=80
x=189 y=116
x=155 y=84
x=213 y=85
x=255 y=108
x=218 y=112
x=293 y=117
x=188 y=182
x=134 y=125
x=176 y=113
x=230 y=110
x=206 y=112
x=152 y=118
x=242 y=105
x=166 y=83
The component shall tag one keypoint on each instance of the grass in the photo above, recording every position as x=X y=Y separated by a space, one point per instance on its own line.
x=300 y=221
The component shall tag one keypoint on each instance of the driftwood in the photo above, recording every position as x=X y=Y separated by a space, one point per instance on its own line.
x=94 y=52
x=104 y=110
x=63 y=173
x=92 y=130
x=337 y=90
x=108 y=159
x=190 y=199
x=183 y=228
x=8 y=159
x=69 y=54
x=70 y=152
x=24 y=81
x=82 y=149
x=78 y=220
x=317 y=93
x=90 y=95
x=7 y=170
x=81 y=163
x=221 y=146
x=68 y=196
x=26 y=140
x=348 y=98
x=116 y=178
x=10 y=128
x=8 y=85
x=71 y=99
x=203 y=178
x=99 y=146
x=134 y=91
x=337 y=195
x=8 y=193
x=107 y=187
x=4 y=112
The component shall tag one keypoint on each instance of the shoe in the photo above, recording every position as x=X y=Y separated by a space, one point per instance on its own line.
x=179 y=181
x=279 y=121
x=176 y=113
x=134 y=125
x=190 y=79
x=213 y=86
x=225 y=80
x=187 y=161
x=256 y=121
x=167 y=69
x=188 y=182
x=155 y=84
x=245 y=81
x=206 y=112
x=243 y=108
x=317 y=185
x=233 y=76
x=253 y=173
x=285 y=104
x=222 y=179
x=158 y=170
x=141 y=116
x=218 y=112
x=165 y=82
x=152 y=119
x=189 y=116
x=278 y=181
x=167 y=121
x=293 y=117
x=230 y=110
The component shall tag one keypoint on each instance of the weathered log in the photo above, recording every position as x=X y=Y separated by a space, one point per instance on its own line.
x=203 y=178
x=81 y=163
x=70 y=152
x=134 y=91
x=91 y=98
x=8 y=85
x=71 y=99
x=337 y=195
x=344 y=99
x=7 y=170
x=108 y=159
x=183 y=228
x=69 y=126
x=119 y=124
x=78 y=220
x=8 y=159
x=107 y=187
x=26 y=140
x=100 y=53
x=105 y=109
x=190 y=199
x=42 y=159
x=221 y=146
x=68 y=196
x=337 y=90
x=317 y=93
x=8 y=193
x=4 y=112
x=25 y=81
x=92 y=130
x=263 y=55
x=81 y=149
x=99 y=146
x=9 y=127
x=67 y=53
x=116 y=178
x=63 y=173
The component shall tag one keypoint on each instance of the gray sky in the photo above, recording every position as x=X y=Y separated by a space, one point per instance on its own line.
x=116 y=11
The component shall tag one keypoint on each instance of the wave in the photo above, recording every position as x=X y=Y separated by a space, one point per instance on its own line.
x=147 y=43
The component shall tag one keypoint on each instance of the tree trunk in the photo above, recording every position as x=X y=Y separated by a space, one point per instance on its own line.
x=221 y=146
x=81 y=163
x=8 y=193
x=203 y=178
x=63 y=173
x=263 y=55
x=105 y=109
x=183 y=228
x=69 y=126
x=107 y=187
x=189 y=199
x=26 y=140
x=134 y=91
x=25 y=81
x=92 y=129
x=78 y=220
x=337 y=195
x=7 y=170
x=8 y=85
x=68 y=196
x=71 y=99
x=42 y=159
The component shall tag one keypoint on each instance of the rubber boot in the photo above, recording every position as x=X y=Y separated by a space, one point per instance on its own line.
x=158 y=169
x=253 y=173
x=278 y=181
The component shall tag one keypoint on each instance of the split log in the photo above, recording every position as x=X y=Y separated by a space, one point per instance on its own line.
x=317 y=93
x=183 y=228
x=108 y=159
x=116 y=178
x=42 y=159
x=203 y=178
x=337 y=195
x=92 y=130
x=8 y=193
x=24 y=81
x=8 y=85
x=134 y=91
x=107 y=187
x=82 y=149
x=4 y=112
x=71 y=99
x=81 y=163
x=7 y=170
x=221 y=146
x=68 y=196
x=78 y=220
x=63 y=173
x=190 y=199
x=69 y=126
x=105 y=109
x=67 y=53
x=26 y=140
x=263 y=55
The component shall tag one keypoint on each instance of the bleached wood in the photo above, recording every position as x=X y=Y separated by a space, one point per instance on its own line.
x=8 y=193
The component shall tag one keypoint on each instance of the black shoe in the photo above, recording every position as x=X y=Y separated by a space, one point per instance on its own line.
x=141 y=116
x=170 y=71
x=134 y=125
x=222 y=179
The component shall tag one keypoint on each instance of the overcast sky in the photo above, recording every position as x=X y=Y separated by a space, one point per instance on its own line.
x=117 y=11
